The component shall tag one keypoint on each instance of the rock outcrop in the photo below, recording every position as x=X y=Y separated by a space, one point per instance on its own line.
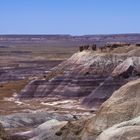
x=123 y=105
x=128 y=130
x=130 y=67
x=47 y=130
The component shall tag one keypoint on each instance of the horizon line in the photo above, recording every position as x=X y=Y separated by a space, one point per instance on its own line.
x=28 y=34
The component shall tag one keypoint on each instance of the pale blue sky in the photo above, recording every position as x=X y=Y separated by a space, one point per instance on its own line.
x=75 y=17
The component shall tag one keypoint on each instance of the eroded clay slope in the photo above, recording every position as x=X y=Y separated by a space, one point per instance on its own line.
x=76 y=77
